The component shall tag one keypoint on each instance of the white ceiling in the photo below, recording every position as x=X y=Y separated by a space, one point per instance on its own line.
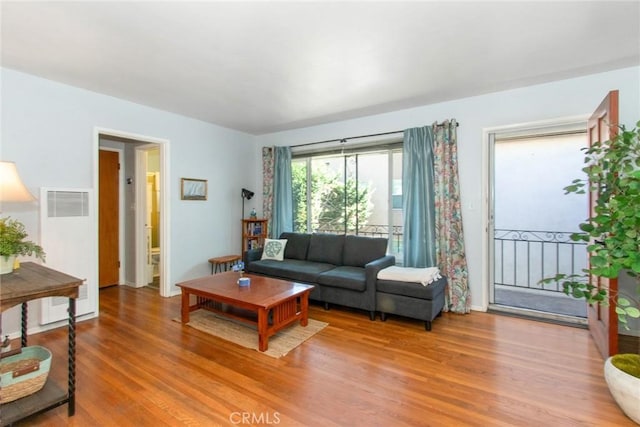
x=261 y=67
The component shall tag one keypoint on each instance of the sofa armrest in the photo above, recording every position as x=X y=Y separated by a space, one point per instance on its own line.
x=251 y=255
x=372 y=269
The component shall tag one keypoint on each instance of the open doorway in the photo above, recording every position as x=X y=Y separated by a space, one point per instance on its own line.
x=143 y=251
x=532 y=219
x=148 y=175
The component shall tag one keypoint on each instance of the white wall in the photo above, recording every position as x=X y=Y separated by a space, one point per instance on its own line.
x=564 y=98
x=48 y=130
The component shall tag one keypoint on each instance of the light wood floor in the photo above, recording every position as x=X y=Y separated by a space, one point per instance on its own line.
x=137 y=367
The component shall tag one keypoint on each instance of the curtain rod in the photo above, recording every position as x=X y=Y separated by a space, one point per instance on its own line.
x=343 y=140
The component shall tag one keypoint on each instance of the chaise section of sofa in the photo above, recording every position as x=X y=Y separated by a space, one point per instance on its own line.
x=343 y=269
x=413 y=300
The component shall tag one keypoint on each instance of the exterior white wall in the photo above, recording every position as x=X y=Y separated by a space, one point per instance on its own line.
x=530 y=176
x=48 y=130
x=565 y=98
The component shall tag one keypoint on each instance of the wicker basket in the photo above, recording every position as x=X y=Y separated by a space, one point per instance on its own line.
x=24 y=373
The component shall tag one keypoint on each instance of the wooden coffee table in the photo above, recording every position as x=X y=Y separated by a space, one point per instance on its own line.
x=271 y=304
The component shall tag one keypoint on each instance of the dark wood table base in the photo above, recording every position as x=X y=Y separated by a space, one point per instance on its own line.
x=270 y=304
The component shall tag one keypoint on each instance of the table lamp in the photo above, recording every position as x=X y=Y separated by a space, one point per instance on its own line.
x=11 y=187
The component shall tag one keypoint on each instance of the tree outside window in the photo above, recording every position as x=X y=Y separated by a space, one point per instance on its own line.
x=336 y=205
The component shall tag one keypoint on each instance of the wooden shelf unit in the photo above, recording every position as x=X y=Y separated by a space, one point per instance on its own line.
x=254 y=231
x=33 y=281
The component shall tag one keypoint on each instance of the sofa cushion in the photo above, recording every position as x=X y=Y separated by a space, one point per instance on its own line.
x=359 y=250
x=409 y=289
x=274 y=249
x=344 y=277
x=291 y=269
x=326 y=248
x=297 y=245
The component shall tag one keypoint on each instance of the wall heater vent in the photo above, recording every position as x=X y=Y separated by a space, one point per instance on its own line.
x=68 y=233
x=67 y=203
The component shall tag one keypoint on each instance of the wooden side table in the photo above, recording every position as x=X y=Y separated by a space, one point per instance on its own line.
x=32 y=281
x=219 y=262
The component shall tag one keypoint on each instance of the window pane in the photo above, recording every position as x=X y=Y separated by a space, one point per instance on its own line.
x=357 y=193
x=373 y=194
x=300 y=191
x=355 y=214
x=397 y=217
x=327 y=207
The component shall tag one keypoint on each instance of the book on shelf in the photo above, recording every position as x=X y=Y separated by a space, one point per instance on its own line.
x=253 y=244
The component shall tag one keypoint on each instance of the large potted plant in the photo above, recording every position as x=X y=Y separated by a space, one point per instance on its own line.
x=612 y=234
x=13 y=243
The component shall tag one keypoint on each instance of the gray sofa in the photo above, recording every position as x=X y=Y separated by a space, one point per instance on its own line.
x=344 y=269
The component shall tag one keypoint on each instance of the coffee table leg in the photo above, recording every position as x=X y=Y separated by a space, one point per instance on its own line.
x=185 y=306
x=263 y=323
x=304 y=309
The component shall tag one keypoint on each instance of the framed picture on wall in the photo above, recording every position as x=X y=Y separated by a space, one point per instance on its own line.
x=193 y=189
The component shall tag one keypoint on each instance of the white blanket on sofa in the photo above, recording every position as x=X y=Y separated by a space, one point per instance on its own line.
x=410 y=274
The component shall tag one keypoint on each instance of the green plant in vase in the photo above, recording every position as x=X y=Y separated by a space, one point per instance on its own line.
x=13 y=243
x=612 y=234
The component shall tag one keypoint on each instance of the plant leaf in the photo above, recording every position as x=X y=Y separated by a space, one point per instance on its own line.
x=633 y=312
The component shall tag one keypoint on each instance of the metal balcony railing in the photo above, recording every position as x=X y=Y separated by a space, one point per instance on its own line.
x=523 y=257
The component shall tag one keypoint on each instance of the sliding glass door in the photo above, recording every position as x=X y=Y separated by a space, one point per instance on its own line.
x=350 y=193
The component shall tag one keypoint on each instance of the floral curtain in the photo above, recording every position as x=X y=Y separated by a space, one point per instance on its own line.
x=448 y=217
x=268 y=165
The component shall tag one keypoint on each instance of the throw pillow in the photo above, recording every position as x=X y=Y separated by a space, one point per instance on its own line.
x=274 y=249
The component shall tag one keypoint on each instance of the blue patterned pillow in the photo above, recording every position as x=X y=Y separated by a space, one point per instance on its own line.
x=274 y=249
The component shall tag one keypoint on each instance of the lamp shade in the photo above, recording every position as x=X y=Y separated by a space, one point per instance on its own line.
x=11 y=187
x=247 y=194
